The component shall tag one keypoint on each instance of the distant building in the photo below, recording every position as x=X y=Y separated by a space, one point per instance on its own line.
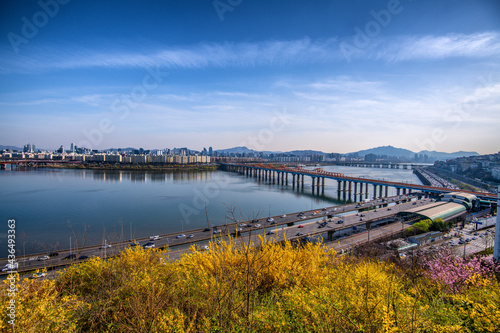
x=426 y=238
x=29 y=148
x=370 y=157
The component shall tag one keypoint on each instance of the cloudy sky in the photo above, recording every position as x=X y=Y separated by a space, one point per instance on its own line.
x=336 y=76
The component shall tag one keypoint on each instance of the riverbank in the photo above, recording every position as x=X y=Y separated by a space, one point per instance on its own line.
x=130 y=167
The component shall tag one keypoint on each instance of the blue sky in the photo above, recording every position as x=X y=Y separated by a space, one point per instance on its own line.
x=336 y=76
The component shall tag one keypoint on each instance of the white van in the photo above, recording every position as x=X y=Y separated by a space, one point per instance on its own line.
x=10 y=267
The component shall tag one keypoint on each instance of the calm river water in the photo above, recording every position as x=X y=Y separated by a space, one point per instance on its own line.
x=52 y=205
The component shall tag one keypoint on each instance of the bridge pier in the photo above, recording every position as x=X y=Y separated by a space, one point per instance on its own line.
x=398 y=191
x=366 y=190
x=386 y=191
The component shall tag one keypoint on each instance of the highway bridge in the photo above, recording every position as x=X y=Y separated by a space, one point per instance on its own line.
x=354 y=186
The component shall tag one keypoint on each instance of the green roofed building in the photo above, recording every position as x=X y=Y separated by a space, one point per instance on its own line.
x=451 y=205
x=440 y=209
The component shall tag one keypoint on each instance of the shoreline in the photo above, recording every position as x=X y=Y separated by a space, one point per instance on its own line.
x=148 y=167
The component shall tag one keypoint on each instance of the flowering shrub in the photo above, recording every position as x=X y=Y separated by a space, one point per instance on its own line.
x=266 y=288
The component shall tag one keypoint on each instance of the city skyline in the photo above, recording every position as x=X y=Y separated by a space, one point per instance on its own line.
x=329 y=76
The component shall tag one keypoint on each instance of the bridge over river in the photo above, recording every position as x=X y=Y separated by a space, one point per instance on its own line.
x=353 y=186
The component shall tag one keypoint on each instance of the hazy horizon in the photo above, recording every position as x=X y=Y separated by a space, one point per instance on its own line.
x=332 y=76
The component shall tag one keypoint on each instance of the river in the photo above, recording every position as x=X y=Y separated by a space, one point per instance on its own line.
x=53 y=207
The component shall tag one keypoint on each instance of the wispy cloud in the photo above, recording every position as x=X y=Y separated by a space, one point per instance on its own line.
x=477 y=45
x=265 y=53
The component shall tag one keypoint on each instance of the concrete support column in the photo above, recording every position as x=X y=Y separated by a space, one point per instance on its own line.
x=312 y=182
x=386 y=191
x=380 y=191
x=374 y=190
x=398 y=191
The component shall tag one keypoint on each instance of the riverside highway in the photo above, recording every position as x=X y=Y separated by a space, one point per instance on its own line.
x=278 y=228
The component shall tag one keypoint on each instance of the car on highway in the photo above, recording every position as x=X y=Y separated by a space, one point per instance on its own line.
x=255 y=221
x=83 y=257
x=204 y=248
x=149 y=245
x=340 y=221
x=301 y=226
x=302 y=217
x=157 y=237
x=70 y=257
x=107 y=246
x=180 y=236
x=270 y=219
x=190 y=236
x=206 y=229
x=216 y=232
x=43 y=258
x=10 y=266
x=284 y=215
x=299 y=234
x=53 y=254
x=258 y=225
x=270 y=233
x=39 y=275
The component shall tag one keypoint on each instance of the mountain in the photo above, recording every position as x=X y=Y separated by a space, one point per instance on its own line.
x=400 y=152
x=386 y=150
x=447 y=156
x=236 y=150
x=10 y=147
